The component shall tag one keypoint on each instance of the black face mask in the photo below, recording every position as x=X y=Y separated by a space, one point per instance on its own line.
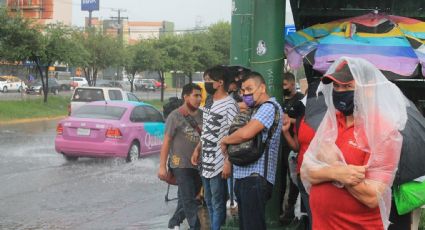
x=344 y=101
x=210 y=88
x=286 y=92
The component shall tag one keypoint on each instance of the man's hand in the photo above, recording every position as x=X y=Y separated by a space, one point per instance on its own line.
x=242 y=106
x=227 y=169
x=162 y=173
x=286 y=123
x=223 y=146
x=350 y=174
x=195 y=157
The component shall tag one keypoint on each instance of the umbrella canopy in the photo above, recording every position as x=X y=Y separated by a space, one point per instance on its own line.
x=394 y=44
x=411 y=165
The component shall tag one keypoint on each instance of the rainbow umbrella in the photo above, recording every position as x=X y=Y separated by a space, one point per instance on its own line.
x=394 y=44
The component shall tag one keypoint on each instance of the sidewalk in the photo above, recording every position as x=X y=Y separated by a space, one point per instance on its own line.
x=28 y=120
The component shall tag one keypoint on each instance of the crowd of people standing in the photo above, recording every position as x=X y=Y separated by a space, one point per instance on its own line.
x=343 y=159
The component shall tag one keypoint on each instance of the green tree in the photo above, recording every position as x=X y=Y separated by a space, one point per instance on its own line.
x=169 y=51
x=201 y=50
x=19 y=39
x=103 y=51
x=141 y=57
x=219 y=37
x=57 y=46
x=23 y=40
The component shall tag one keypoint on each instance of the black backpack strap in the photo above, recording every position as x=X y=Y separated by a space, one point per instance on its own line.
x=190 y=120
x=270 y=136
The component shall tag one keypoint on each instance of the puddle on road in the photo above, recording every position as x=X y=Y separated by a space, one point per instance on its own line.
x=112 y=170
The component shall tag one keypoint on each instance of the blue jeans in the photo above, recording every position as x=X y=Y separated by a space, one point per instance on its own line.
x=252 y=194
x=215 y=198
x=231 y=188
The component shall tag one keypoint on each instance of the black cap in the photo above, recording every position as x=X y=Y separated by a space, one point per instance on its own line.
x=342 y=74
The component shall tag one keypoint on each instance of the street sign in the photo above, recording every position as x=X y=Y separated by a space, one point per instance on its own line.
x=89 y=5
x=289 y=29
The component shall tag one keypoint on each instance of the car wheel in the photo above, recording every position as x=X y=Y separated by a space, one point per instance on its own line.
x=133 y=153
x=70 y=158
x=5 y=89
x=55 y=91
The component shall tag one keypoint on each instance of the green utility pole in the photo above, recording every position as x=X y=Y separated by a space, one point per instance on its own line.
x=267 y=59
x=267 y=43
x=242 y=25
x=258 y=43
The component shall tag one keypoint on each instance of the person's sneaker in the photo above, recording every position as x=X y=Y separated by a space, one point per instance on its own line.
x=229 y=204
x=286 y=218
x=175 y=228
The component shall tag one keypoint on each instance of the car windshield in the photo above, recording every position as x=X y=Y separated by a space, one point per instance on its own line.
x=100 y=112
x=87 y=95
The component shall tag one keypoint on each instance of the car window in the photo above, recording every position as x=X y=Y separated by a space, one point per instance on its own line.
x=99 y=111
x=132 y=97
x=115 y=95
x=87 y=95
x=139 y=114
x=153 y=114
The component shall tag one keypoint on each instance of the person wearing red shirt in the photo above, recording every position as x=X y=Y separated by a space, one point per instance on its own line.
x=349 y=166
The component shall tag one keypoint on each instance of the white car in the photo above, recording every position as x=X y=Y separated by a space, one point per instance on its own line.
x=11 y=83
x=84 y=95
x=79 y=81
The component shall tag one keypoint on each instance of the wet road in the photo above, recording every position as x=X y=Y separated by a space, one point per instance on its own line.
x=40 y=190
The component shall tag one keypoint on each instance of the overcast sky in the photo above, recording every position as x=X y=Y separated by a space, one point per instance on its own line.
x=184 y=13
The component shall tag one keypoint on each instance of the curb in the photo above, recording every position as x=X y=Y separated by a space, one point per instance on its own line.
x=29 y=120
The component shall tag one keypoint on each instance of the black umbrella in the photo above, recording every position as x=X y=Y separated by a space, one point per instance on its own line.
x=412 y=158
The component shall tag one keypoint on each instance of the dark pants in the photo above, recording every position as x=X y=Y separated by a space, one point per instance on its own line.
x=305 y=202
x=293 y=189
x=252 y=194
x=399 y=222
x=189 y=184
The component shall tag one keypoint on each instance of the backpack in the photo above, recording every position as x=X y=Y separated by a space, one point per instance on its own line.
x=250 y=151
x=172 y=104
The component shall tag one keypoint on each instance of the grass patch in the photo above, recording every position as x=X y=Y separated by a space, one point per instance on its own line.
x=156 y=103
x=34 y=108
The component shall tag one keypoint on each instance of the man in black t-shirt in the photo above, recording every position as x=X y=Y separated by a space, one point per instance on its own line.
x=294 y=108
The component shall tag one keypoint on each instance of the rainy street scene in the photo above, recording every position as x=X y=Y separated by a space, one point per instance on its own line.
x=41 y=190
x=212 y=115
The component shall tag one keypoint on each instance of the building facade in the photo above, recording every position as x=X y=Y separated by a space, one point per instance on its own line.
x=43 y=11
x=132 y=31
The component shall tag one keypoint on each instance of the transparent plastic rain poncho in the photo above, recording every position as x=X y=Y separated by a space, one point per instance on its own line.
x=379 y=114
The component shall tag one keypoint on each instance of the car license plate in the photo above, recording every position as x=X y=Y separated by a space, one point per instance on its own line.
x=83 y=132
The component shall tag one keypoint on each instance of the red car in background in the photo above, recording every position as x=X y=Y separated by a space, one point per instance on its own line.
x=158 y=83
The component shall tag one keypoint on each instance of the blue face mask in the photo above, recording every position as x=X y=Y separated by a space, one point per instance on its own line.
x=344 y=101
x=249 y=100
